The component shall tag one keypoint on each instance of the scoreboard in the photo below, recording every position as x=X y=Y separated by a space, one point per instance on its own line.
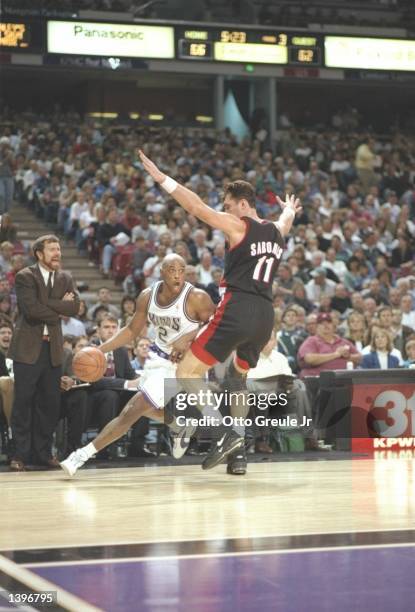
x=22 y=36
x=249 y=46
x=199 y=43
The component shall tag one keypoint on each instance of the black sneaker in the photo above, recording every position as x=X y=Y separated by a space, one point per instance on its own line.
x=220 y=451
x=237 y=464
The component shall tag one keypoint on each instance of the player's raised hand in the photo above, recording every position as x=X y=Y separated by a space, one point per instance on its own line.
x=291 y=202
x=151 y=167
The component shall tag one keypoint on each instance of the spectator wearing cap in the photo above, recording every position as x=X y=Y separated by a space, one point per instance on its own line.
x=326 y=350
x=106 y=235
x=319 y=285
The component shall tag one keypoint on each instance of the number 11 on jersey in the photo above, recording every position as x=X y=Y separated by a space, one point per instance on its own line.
x=259 y=268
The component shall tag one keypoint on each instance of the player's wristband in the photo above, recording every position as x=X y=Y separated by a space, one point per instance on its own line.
x=169 y=184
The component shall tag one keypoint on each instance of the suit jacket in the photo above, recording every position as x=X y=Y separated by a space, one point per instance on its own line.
x=371 y=361
x=123 y=371
x=3 y=368
x=37 y=309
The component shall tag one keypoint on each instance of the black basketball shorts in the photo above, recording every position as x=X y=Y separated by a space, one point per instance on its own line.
x=243 y=322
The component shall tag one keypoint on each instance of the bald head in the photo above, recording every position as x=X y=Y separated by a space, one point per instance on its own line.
x=173 y=273
x=172 y=259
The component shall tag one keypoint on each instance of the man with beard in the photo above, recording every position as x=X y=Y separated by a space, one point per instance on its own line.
x=44 y=294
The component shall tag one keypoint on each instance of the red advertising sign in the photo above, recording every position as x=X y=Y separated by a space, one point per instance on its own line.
x=383 y=418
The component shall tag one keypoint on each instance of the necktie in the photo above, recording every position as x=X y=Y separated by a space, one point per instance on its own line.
x=49 y=285
x=110 y=371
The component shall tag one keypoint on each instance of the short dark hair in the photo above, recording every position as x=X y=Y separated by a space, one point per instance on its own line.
x=99 y=309
x=126 y=298
x=6 y=323
x=70 y=339
x=239 y=190
x=39 y=243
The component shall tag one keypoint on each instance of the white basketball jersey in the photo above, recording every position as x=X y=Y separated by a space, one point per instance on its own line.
x=170 y=322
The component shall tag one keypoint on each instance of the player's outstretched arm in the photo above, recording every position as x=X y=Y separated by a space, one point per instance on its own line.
x=290 y=208
x=134 y=328
x=191 y=202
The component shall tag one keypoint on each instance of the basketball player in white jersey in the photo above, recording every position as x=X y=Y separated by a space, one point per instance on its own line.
x=177 y=310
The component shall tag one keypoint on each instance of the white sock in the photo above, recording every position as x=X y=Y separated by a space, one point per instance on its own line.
x=90 y=450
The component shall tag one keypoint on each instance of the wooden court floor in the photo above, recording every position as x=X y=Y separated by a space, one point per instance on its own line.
x=183 y=503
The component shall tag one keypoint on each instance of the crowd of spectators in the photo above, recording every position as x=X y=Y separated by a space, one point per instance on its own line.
x=375 y=13
x=344 y=294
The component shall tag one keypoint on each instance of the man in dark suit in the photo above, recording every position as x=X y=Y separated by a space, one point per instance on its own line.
x=6 y=380
x=74 y=398
x=109 y=394
x=44 y=292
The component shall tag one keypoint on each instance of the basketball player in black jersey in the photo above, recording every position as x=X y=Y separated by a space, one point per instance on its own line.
x=244 y=318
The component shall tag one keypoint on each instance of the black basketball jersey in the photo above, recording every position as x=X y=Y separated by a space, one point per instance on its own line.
x=250 y=265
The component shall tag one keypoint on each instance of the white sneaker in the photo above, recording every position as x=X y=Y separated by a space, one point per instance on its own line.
x=75 y=461
x=181 y=441
x=180 y=446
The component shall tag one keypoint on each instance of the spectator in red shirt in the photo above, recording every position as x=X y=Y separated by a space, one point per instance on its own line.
x=326 y=350
x=130 y=219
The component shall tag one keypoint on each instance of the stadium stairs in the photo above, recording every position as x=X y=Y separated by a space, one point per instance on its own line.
x=30 y=227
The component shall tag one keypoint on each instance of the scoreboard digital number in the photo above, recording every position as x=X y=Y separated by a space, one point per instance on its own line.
x=304 y=50
x=248 y=46
x=198 y=50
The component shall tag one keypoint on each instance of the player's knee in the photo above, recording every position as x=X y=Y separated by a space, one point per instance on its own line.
x=187 y=369
x=183 y=371
x=131 y=412
x=235 y=380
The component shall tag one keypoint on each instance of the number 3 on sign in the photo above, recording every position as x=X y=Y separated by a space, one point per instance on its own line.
x=268 y=269
x=402 y=413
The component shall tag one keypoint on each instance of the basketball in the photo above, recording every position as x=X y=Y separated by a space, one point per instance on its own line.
x=89 y=364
